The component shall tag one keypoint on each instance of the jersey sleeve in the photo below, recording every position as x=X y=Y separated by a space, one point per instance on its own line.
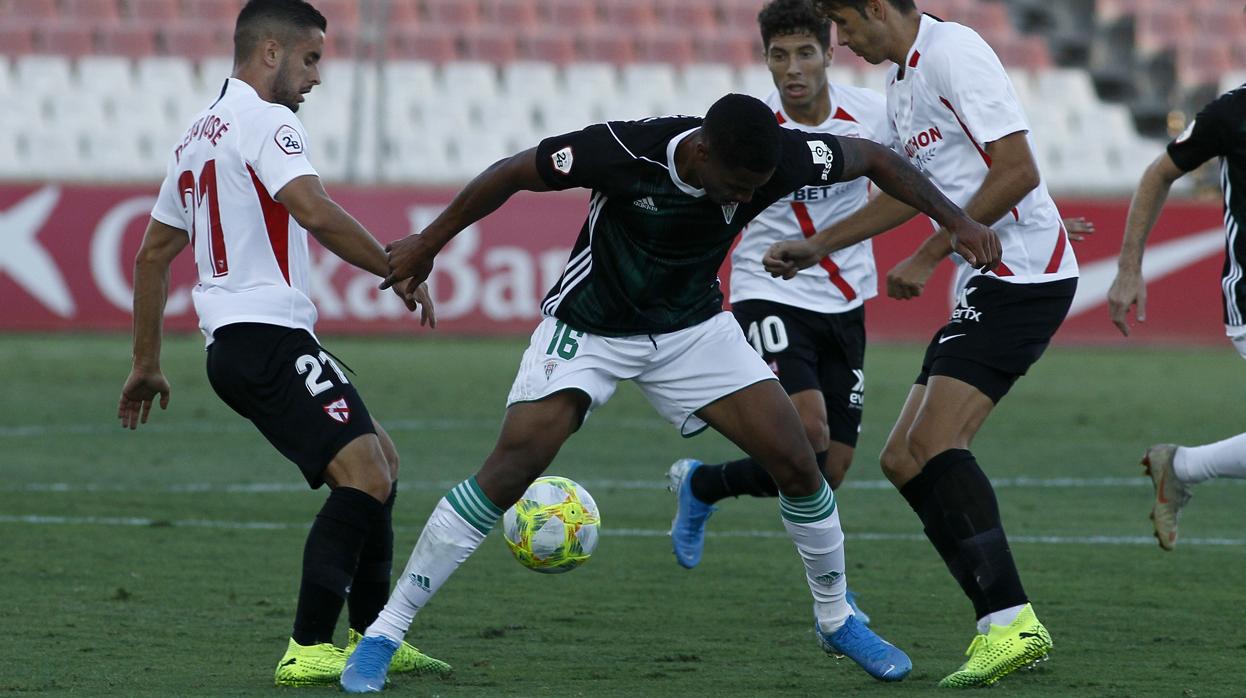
x=974 y=86
x=577 y=159
x=1206 y=137
x=818 y=158
x=169 y=209
x=281 y=152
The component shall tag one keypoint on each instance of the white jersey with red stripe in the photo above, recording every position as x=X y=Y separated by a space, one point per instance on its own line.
x=952 y=98
x=221 y=187
x=846 y=278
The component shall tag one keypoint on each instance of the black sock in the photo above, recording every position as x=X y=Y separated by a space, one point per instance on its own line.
x=957 y=505
x=329 y=560
x=711 y=483
x=370 y=589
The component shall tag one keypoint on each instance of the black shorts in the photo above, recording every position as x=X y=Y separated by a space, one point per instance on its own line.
x=813 y=351
x=282 y=380
x=997 y=331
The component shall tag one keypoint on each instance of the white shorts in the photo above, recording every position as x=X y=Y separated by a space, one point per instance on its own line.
x=1237 y=335
x=678 y=372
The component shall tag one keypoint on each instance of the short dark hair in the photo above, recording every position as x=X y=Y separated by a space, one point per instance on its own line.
x=785 y=17
x=905 y=6
x=743 y=132
x=280 y=19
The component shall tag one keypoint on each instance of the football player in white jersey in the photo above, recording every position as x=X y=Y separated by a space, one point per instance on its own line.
x=810 y=330
x=955 y=114
x=241 y=192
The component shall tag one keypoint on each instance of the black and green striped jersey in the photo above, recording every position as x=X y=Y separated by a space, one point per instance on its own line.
x=647 y=257
x=1219 y=130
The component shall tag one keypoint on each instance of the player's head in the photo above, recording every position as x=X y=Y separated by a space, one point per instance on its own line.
x=870 y=28
x=741 y=142
x=797 y=40
x=281 y=41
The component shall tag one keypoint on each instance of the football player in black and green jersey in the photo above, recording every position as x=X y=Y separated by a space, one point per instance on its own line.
x=639 y=300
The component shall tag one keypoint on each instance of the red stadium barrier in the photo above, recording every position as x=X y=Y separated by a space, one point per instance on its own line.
x=67 y=251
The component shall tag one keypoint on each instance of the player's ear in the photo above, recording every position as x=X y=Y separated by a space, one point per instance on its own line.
x=272 y=52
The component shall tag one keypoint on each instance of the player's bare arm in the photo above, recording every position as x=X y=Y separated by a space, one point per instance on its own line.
x=161 y=244
x=1129 y=288
x=308 y=202
x=906 y=185
x=412 y=256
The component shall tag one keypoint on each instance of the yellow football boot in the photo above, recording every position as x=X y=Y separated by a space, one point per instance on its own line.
x=316 y=665
x=1003 y=650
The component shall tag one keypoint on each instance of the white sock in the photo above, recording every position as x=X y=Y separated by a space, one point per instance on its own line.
x=813 y=524
x=1004 y=617
x=457 y=526
x=1227 y=458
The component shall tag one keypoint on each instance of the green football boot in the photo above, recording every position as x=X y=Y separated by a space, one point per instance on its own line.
x=407 y=659
x=315 y=665
x=1003 y=650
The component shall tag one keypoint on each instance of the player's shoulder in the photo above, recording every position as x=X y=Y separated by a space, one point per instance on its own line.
x=863 y=99
x=648 y=135
x=947 y=43
x=1230 y=106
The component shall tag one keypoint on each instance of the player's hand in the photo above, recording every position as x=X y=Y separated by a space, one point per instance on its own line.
x=409 y=258
x=978 y=244
x=417 y=295
x=141 y=387
x=790 y=256
x=1128 y=289
x=1079 y=228
x=908 y=278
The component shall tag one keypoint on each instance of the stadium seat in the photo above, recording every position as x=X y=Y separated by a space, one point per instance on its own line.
x=28 y=10
x=530 y=81
x=607 y=46
x=341 y=14
x=570 y=115
x=574 y=15
x=424 y=43
x=165 y=75
x=646 y=89
x=471 y=152
x=131 y=39
x=416 y=78
x=629 y=15
x=670 y=46
x=153 y=10
x=42 y=74
x=590 y=81
x=90 y=10
x=213 y=71
x=422 y=159
x=115 y=155
x=49 y=154
x=494 y=45
x=740 y=15
x=687 y=15
x=550 y=45
x=754 y=80
x=65 y=38
x=220 y=11
x=196 y=40
x=75 y=112
x=17 y=37
x=514 y=14
x=453 y=13
x=728 y=45
x=700 y=85
x=470 y=80
x=10 y=165
x=100 y=75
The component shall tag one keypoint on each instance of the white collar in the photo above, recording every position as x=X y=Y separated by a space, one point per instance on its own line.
x=670 y=165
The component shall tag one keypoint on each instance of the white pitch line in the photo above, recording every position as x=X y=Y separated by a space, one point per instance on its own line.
x=141 y=522
x=443 y=485
x=399 y=425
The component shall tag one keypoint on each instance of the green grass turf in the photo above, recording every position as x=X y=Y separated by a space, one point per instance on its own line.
x=174 y=606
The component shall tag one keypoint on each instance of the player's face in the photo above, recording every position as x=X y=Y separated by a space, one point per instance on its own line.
x=299 y=71
x=865 y=35
x=731 y=185
x=797 y=63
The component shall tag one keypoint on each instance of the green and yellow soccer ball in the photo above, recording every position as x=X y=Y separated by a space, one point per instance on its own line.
x=554 y=526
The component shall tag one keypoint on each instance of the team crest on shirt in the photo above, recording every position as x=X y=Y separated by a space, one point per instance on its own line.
x=822 y=155
x=729 y=210
x=338 y=410
x=562 y=160
x=549 y=368
x=289 y=140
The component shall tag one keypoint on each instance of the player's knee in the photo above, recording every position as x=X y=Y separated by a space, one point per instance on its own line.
x=819 y=435
x=836 y=469
x=796 y=473
x=896 y=462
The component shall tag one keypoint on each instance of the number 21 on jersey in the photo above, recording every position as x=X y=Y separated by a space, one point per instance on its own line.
x=195 y=192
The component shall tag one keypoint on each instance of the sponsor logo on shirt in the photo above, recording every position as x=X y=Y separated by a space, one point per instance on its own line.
x=822 y=155
x=562 y=160
x=646 y=203
x=289 y=140
x=924 y=139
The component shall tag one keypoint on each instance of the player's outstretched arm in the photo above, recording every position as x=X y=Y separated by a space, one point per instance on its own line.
x=307 y=201
x=161 y=244
x=975 y=242
x=412 y=256
x=1129 y=288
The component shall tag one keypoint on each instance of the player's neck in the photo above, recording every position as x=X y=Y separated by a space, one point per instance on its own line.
x=814 y=113
x=257 y=80
x=683 y=160
x=905 y=35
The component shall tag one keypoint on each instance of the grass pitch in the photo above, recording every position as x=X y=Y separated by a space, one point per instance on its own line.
x=165 y=562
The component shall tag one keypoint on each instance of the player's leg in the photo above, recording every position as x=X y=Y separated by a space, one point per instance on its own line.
x=761 y=420
x=370 y=587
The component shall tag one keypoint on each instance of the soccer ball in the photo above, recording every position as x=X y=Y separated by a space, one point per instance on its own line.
x=553 y=527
